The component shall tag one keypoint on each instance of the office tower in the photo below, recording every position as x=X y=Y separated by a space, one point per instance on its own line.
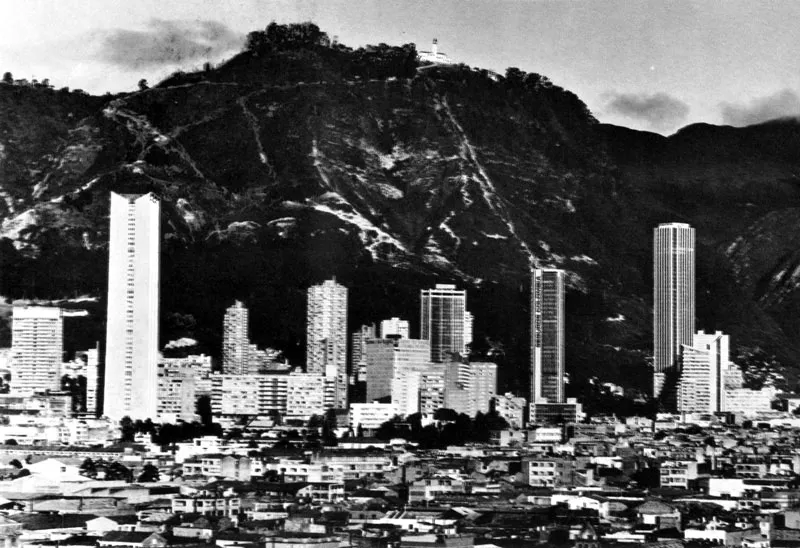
x=326 y=335
x=443 y=320
x=358 y=342
x=384 y=356
x=235 y=342
x=703 y=368
x=547 y=336
x=418 y=389
x=394 y=326
x=37 y=348
x=673 y=298
x=131 y=381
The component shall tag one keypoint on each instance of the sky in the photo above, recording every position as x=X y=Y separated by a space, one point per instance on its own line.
x=645 y=64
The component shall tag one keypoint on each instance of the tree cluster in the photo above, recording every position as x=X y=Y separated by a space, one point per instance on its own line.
x=279 y=37
x=450 y=428
x=167 y=434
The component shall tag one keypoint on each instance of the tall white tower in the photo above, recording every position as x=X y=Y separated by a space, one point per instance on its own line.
x=547 y=336
x=131 y=384
x=37 y=347
x=326 y=336
x=673 y=297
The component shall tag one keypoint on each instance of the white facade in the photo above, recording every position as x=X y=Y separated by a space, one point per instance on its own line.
x=384 y=356
x=469 y=387
x=371 y=416
x=703 y=366
x=92 y=380
x=306 y=395
x=443 y=321
x=511 y=408
x=249 y=394
x=673 y=296
x=326 y=337
x=37 y=347
x=131 y=383
x=395 y=326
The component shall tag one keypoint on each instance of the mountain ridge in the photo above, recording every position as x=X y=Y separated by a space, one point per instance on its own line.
x=300 y=159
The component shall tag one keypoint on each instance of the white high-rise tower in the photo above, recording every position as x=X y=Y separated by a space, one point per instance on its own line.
x=673 y=297
x=444 y=321
x=235 y=342
x=37 y=346
x=326 y=336
x=131 y=384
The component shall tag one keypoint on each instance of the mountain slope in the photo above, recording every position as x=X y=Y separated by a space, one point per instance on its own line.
x=297 y=160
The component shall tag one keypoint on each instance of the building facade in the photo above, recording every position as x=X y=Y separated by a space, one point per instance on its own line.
x=358 y=343
x=236 y=342
x=384 y=356
x=37 y=348
x=131 y=383
x=703 y=367
x=326 y=337
x=395 y=326
x=673 y=297
x=443 y=321
x=547 y=336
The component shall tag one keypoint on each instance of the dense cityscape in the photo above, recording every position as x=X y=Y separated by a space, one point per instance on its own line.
x=381 y=439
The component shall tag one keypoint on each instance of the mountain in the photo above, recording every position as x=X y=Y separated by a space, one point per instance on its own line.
x=299 y=159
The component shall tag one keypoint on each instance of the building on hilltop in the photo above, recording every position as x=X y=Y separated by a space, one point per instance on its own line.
x=37 y=348
x=131 y=382
x=434 y=55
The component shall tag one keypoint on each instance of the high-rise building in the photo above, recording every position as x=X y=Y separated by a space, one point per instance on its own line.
x=358 y=343
x=384 y=356
x=418 y=389
x=443 y=321
x=673 y=297
x=394 y=326
x=235 y=342
x=326 y=336
x=131 y=380
x=547 y=336
x=703 y=368
x=37 y=347
x=92 y=357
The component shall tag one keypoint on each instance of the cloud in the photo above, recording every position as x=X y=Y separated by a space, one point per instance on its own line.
x=166 y=42
x=778 y=105
x=660 y=111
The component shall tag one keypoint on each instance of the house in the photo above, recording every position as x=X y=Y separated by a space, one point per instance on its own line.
x=660 y=514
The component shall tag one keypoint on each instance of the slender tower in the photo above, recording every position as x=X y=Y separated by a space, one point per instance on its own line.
x=443 y=320
x=235 y=342
x=131 y=383
x=673 y=298
x=547 y=336
x=326 y=336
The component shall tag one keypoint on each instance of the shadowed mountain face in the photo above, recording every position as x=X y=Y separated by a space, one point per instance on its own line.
x=298 y=160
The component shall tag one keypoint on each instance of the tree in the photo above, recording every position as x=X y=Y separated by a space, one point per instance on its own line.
x=143 y=85
x=88 y=468
x=203 y=408
x=128 y=429
x=8 y=79
x=149 y=473
x=11 y=442
x=15 y=463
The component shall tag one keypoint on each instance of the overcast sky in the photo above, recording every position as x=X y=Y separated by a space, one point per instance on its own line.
x=655 y=65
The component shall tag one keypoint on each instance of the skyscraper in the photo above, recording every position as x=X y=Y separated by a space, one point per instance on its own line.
x=131 y=385
x=547 y=336
x=673 y=297
x=326 y=336
x=443 y=320
x=37 y=347
x=235 y=343
x=704 y=365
